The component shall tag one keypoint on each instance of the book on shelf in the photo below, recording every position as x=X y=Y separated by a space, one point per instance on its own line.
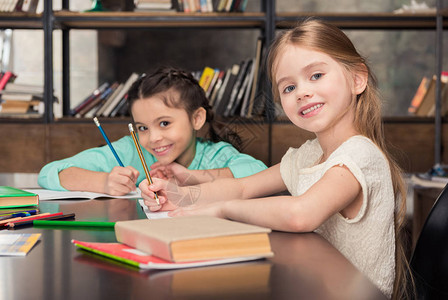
x=210 y=5
x=109 y=99
x=142 y=260
x=30 y=6
x=193 y=238
x=208 y=92
x=120 y=108
x=14 y=197
x=220 y=93
x=419 y=94
x=427 y=105
x=103 y=98
x=17 y=244
x=21 y=107
x=244 y=91
x=15 y=87
x=120 y=94
x=234 y=101
x=17 y=96
x=91 y=97
x=206 y=78
x=11 y=5
x=224 y=97
x=248 y=108
x=217 y=87
x=154 y=5
x=90 y=109
x=235 y=88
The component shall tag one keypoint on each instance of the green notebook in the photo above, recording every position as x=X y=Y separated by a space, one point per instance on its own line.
x=13 y=197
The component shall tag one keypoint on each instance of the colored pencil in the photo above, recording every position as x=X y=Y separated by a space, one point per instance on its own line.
x=35 y=217
x=4 y=222
x=142 y=159
x=73 y=223
x=30 y=222
x=97 y=123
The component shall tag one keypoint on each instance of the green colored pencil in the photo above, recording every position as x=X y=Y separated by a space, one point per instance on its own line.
x=74 y=223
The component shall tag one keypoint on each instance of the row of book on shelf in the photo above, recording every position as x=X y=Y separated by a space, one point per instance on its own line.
x=191 y=5
x=20 y=100
x=29 y=6
x=423 y=102
x=231 y=92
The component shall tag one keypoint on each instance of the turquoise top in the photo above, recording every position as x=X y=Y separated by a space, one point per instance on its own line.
x=209 y=155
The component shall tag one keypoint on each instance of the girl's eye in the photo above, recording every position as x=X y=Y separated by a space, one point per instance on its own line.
x=164 y=123
x=289 y=89
x=316 y=76
x=141 y=128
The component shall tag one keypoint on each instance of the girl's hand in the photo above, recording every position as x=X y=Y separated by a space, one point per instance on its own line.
x=173 y=171
x=214 y=209
x=169 y=194
x=121 y=180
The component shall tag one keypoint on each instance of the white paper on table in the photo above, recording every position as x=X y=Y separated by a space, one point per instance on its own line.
x=45 y=195
x=153 y=214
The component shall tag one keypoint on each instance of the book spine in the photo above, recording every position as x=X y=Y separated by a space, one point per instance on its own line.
x=89 y=99
x=142 y=242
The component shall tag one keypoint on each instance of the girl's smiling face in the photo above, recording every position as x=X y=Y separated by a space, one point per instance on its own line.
x=167 y=132
x=314 y=90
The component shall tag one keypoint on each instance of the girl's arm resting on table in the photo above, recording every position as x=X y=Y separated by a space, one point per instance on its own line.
x=266 y=182
x=337 y=191
x=120 y=181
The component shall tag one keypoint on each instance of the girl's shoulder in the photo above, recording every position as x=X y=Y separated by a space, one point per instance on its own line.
x=359 y=144
x=362 y=150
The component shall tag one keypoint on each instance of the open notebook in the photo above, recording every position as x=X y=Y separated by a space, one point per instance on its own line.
x=45 y=194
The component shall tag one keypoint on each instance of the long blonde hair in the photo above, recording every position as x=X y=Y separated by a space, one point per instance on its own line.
x=326 y=38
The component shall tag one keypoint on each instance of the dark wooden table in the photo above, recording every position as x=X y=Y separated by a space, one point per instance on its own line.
x=305 y=266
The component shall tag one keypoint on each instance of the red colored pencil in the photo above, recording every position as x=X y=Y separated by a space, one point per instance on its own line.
x=30 y=222
x=35 y=217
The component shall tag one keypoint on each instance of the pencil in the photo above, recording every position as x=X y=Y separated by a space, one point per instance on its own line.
x=73 y=223
x=97 y=123
x=5 y=222
x=35 y=217
x=142 y=159
x=30 y=222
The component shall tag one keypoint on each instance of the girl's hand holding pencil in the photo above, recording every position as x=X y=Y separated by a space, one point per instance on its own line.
x=170 y=196
x=121 y=180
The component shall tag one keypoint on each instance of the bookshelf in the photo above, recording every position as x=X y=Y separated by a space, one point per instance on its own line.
x=54 y=131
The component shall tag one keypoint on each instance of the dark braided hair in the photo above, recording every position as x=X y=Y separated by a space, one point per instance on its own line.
x=191 y=97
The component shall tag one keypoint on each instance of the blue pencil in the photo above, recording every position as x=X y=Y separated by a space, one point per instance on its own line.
x=97 y=123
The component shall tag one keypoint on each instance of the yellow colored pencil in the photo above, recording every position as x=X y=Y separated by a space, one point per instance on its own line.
x=142 y=159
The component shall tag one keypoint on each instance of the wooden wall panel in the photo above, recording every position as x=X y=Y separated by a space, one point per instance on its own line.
x=68 y=139
x=22 y=147
x=27 y=147
x=411 y=144
x=285 y=136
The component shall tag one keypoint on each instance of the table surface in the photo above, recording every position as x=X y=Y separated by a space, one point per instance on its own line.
x=304 y=266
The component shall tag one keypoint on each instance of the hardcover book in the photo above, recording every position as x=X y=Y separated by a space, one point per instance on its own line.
x=191 y=238
x=13 y=197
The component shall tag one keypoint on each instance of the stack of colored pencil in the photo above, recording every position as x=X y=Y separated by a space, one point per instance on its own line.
x=26 y=218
